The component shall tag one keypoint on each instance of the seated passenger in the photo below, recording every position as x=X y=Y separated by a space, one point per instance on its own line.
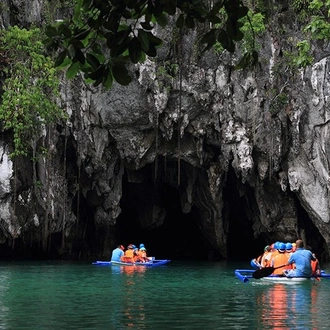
x=280 y=259
x=316 y=268
x=129 y=254
x=117 y=253
x=143 y=255
x=302 y=259
x=266 y=257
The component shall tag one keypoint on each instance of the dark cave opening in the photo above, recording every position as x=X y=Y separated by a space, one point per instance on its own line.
x=241 y=243
x=177 y=238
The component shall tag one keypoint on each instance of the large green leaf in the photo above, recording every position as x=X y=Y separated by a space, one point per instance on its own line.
x=65 y=30
x=162 y=20
x=226 y=41
x=93 y=61
x=97 y=74
x=135 y=50
x=144 y=40
x=60 y=58
x=120 y=74
x=72 y=70
x=232 y=28
x=51 y=31
x=108 y=79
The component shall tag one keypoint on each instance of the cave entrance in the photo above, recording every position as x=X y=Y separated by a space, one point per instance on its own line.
x=178 y=237
x=238 y=200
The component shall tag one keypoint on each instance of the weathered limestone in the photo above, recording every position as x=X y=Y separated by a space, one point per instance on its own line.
x=211 y=118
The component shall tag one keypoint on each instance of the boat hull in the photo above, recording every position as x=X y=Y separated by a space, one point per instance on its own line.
x=286 y=280
x=245 y=275
x=153 y=263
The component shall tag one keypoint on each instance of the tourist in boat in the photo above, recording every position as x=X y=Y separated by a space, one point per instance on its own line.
x=280 y=259
x=266 y=257
x=117 y=253
x=301 y=258
x=257 y=262
x=143 y=254
x=316 y=268
x=129 y=254
x=288 y=248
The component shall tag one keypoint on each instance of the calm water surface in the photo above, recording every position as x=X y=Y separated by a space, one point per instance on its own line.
x=176 y=296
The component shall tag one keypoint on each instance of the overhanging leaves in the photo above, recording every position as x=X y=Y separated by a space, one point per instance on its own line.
x=127 y=29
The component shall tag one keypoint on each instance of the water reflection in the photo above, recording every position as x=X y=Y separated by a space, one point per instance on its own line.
x=283 y=306
x=131 y=311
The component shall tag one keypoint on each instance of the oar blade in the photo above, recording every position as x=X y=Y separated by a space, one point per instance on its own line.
x=263 y=272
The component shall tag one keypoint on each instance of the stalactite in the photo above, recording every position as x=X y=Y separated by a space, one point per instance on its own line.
x=180 y=106
x=271 y=153
x=156 y=130
x=65 y=192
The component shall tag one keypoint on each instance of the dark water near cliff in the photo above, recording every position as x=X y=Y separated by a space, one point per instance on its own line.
x=180 y=295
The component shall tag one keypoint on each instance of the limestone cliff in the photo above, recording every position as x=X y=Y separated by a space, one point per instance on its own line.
x=192 y=150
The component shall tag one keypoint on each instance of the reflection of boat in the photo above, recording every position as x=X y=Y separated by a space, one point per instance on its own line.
x=152 y=263
x=245 y=275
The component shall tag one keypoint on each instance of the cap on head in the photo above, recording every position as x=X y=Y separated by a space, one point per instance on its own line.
x=141 y=245
x=130 y=246
x=281 y=247
x=288 y=246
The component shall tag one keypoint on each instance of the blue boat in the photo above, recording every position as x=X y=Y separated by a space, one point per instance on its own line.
x=245 y=275
x=152 y=263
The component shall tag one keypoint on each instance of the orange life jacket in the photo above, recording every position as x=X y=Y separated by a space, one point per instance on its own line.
x=315 y=267
x=279 y=260
x=128 y=256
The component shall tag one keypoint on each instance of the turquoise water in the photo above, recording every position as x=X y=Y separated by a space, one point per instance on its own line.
x=49 y=295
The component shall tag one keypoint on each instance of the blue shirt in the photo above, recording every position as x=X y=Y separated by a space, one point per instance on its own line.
x=302 y=259
x=116 y=254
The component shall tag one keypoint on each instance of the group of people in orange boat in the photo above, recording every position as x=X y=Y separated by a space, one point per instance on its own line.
x=289 y=259
x=131 y=254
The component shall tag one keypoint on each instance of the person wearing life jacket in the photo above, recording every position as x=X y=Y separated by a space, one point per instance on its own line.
x=266 y=257
x=257 y=262
x=143 y=254
x=136 y=254
x=117 y=253
x=129 y=254
x=280 y=259
x=316 y=268
x=302 y=259
x=288 y=248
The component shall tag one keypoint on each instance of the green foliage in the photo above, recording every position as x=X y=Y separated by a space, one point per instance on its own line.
x=253 y=25
x=319 y=25
x=302 y=57
x=102 y=37
x=30 y=87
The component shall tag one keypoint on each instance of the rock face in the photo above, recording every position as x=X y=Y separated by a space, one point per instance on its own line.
x=242 y=168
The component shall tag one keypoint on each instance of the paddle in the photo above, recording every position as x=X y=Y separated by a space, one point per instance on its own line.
x=263 y=272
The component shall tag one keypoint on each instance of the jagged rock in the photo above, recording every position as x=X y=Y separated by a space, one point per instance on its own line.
x=251 y=171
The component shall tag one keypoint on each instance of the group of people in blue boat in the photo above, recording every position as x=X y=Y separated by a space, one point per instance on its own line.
x=289 y=259
x=131 y=254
